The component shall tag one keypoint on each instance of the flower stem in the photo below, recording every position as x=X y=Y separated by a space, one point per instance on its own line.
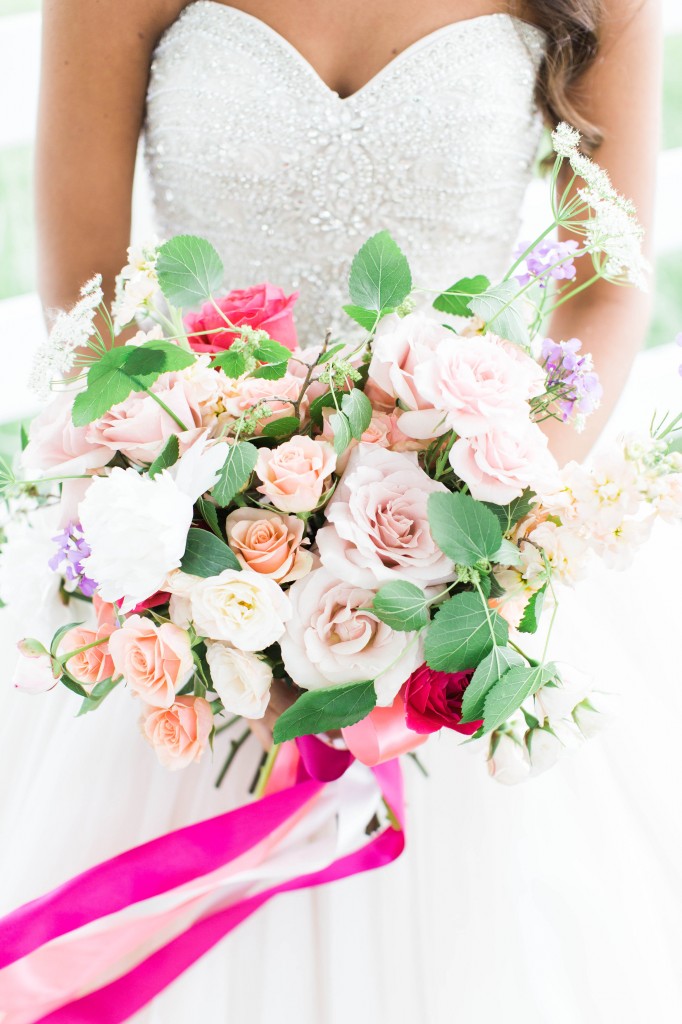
x=234 y=747
x=266 y=771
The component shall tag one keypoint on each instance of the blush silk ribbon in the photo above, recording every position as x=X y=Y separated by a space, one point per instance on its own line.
x=105 y=974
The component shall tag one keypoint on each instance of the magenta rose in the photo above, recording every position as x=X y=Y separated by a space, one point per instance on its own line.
x=263 y=307
x=433 y=701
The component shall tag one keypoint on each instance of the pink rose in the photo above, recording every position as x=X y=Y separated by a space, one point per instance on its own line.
x=400 y=345
x=296 y=474
x=139 y=428
x=499 y=465
x=155 y=661
x=88 y=667
x=378 y=522
x=381 y=431
x=268 y=543
x=264 y=307
x=469 y=385
x=247 y=392
x=179 y=733
x=433 y=701
x=55 y=445
x=332 y=638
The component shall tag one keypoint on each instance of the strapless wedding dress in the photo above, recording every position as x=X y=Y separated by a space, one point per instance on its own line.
x=556 y=902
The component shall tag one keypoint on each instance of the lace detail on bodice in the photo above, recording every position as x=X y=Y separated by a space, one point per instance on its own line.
x=247 y=146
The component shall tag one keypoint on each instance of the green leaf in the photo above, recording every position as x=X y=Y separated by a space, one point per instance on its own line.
x=271 y=371
x=280 y=428
x=455 y=300
x=358 y=408
x=380 y=275
x=343 y=435
x=168 y=457
x=510 y=691
x=23 y=437
x=532 y=612
x=74 y=686
x=97 y=695
x=237 y=468
x=463 y=528
x=367 y=318
x=206 y=555
x=328 y=400
x=332 y=707
x=209 y=514
x=331 y=352
x=231 y=362
x=123 y=370
x=492 y=668
x=509 y=515
x=462 y=632
x=270 y=351
x=507 y=554
x=401 y=605
x=503 y=312
x=60 y=634
x=189 y=270
x=31 y=648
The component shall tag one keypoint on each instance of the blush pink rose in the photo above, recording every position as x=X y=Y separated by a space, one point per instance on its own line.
x=382 y=431
x=296 y=474
x=433 y=701
x=279 y=395
x=469 y=385
x=499 y=465
x=155 y=661
x=332 y=638
x=264 y=307
x=378 y=522
x=56 y=447
x=88 y=667
x=139 y=428
x=400 y=345
x=179 y=733
x=268 y=543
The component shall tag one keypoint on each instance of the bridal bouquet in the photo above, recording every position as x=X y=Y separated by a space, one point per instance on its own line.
x=374 y=521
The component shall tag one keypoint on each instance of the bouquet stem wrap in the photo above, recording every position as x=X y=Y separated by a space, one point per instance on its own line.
x=74 y=957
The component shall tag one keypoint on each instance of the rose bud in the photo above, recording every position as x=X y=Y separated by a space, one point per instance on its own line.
x=35 y=674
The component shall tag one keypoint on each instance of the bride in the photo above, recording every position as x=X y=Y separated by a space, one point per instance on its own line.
x=287 y=134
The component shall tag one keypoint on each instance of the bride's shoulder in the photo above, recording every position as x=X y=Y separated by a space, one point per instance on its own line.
x=129 y=20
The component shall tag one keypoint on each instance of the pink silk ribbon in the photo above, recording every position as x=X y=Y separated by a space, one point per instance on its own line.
x=382 y=735
x=223 y=845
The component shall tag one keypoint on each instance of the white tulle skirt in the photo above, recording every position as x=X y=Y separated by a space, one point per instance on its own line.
x=554 y=902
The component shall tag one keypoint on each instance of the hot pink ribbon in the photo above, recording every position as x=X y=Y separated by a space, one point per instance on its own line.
x=174 y=860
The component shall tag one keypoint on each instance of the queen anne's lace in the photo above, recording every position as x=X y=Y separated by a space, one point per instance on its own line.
x=248 y=147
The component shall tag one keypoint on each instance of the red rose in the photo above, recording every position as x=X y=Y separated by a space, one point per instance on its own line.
x=433 y=700
x=263 y=307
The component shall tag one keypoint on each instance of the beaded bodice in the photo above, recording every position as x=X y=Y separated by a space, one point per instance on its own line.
x=247 y=146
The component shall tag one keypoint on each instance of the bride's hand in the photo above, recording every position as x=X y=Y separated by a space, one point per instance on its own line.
x=281 y=698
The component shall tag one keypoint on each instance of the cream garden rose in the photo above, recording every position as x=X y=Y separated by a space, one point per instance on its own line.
x=333 y=638
x=378 y=522
x=241 y=680
x=243 y=608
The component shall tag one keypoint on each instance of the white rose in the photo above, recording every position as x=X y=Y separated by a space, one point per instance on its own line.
x=544 y=748
x=508 y=761
x=593 y=714
x=243 y=608
x=333 y=639
x=242 y=681
x=557 y=700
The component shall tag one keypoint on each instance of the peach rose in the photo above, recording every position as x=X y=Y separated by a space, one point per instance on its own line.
x=296 y=474
x=179 y=733
x=155 y=661
x=88 y=667
x=268 y=543
x=500 y=464
x=139 y=428
x=247 y=392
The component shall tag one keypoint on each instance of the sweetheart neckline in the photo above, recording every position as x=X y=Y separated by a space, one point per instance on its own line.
x=387 y=69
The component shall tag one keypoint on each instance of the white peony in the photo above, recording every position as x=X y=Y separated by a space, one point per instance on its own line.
x=242 y=681
x=244 y=608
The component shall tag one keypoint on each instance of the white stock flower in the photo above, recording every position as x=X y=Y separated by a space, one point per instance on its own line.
x=241 y=607
x=241 y=680
x=565 y=549
x=136 y=285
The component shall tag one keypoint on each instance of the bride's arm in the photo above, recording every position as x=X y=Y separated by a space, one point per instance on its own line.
x=621 y=94
x=95 y=65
